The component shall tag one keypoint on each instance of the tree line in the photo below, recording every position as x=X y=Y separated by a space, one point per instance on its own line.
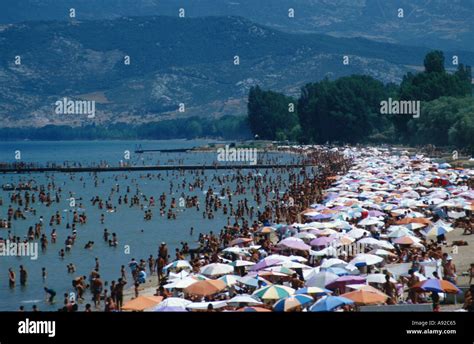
x=348 y=110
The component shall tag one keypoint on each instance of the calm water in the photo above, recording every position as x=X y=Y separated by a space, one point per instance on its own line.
x=142 y=236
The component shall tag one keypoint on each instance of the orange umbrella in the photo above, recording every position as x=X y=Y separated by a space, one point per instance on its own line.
x=141 y=303
x=364 y=297
x=206 y=287
x=408 y=220
x=436 y=285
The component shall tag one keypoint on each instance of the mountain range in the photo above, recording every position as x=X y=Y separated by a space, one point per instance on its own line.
x=173 y=61
x=442 y=24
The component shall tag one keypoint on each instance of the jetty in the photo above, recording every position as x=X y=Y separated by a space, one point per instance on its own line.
x=98 y=169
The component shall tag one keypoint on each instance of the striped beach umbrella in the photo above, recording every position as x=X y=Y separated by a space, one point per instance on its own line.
x=313 y=291
x=229 y=280
x=273 y=292
x=437 y=285
x=291 y=302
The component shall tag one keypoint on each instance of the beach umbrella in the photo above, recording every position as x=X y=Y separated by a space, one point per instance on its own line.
x=384 y=244
x=280 y=269
x=239 y=263
x=378 y=278
x=236 y=250
x=322 y=241
x=141 y=303
x=329 y=303
x=180 y=275
x=313 y=291
x=172 y=304
x=182 y=283
x=205 y=288
x=266 y=230
x=407 y=240
x=253 y=281
x=357 y=233
x=273 y=292
x=364 y=287
x=321 y=279
x=369 y=241
x=229 y=280
x=363 y=297
x=246 y=299
x=294 y=244
x=399 y=232
x=298 y=259
x=365 y=259
x=203 y=306
x=438 y=228
x=333 y=262
x=370 y=221
x=217 y=269
x=294 y=265
x=265 y=263
x=305 y=236
x=383 y=253
x=341 y=282
x=437 y=285
x=456 y=215
x=253 y=309
x=178 y=264
x=338 y=271
x=291 y=302
x=240 y=241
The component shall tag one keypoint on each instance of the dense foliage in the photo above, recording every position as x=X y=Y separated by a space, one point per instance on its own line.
x=348 y=110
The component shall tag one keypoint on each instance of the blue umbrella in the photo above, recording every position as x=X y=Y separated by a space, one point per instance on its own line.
x=328 y=303
x=338 y=271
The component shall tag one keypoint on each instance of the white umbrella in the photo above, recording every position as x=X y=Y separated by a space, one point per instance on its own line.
x=238 y=263
x=205 y=305
x=244 y=299
x=216 y=269
x=357 y=233
x=321 y=279
x=370 y=221
x=369 y=241
x=181 y=283
x=172 y=303
x=366 y=259
x=333 y=262
x=378 y=278
x=178 y=264
x=380 y=252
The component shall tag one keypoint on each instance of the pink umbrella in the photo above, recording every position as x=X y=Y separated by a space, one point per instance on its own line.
x=295 y=244
x=341 y=282
x=265 y=263
x=322 y=241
